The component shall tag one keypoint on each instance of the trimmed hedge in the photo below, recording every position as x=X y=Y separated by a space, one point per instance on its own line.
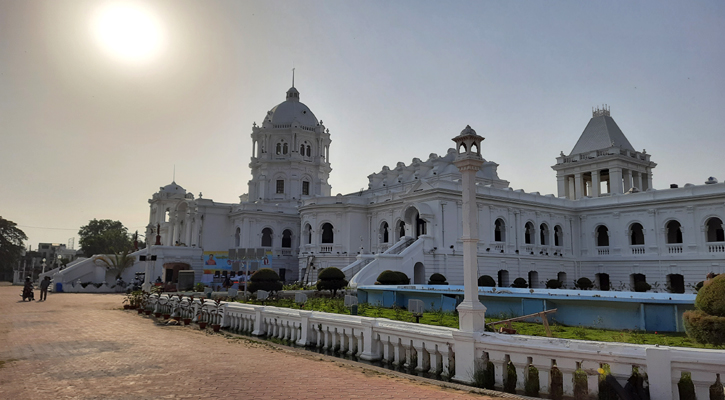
x=711 y=298
x=707 y=323
x=520 y=283
x=553 y=284
x=437 y=279
x=264 y=279
x=583 y=284
x=392 y=278
x=486 y=281
x=331 y=279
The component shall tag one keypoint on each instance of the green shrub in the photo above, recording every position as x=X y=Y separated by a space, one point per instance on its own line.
x=199 y=287
x=716 y=390
x=556 y=389
x=581 y=386
x=642 y=286
x=486 y=281
x=437 y=279
x=509 y=384
x=704 y=328
x=686 y=387
x=331 y=279
x=531 y=387
x=393 y=278
x=520 y=283
x=583 y=284
x=264 y=279
x=484 y=376
x=711 y=298
x=553 y=284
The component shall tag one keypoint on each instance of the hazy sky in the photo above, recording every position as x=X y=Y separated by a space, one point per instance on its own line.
x=94 y=116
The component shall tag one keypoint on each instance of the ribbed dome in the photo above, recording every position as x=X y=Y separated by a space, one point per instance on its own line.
x=292 y=110
x=173 y=188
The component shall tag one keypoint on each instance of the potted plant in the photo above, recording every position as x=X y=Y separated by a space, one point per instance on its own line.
x=200 y=314
x=177 y=308
x=216 y=315
x=188 y=308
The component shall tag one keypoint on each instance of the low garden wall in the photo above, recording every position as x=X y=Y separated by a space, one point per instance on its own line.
x=572 y=366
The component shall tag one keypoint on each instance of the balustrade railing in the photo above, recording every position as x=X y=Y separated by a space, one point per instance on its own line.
x=674 y=248
x=638 y=249
x=602 y=251
x=432 y=349
x=716 y=247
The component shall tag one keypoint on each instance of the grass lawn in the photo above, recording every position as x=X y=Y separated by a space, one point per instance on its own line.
x=450 y=319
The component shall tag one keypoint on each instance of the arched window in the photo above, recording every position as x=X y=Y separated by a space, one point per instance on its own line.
x=401 y=229
x=499 y=231
x=285 y=148
x=278 y=149
x=327 y=233
x=308 y=233
x=266 y=237
x=636 y=234
x=384 y=234
x=305 y=188
x=302 y=149
x=237 y=237
x=715 y=230
x=673 y=232
x=503 y=278
x=529 y=233
x=309 y=153
x=602 y=236
x=420 y=225
x=287 y=238
x=544 y=233
x=558 y=236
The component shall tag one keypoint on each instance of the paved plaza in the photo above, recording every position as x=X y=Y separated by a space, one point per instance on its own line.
x=84 y=346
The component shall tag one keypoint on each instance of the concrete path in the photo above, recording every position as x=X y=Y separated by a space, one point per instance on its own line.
x=84 y=346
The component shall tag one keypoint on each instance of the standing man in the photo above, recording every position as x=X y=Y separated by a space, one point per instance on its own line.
x=44 y=288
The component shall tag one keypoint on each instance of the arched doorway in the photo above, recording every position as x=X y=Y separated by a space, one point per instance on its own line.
x=171 y=272
x=419 y=274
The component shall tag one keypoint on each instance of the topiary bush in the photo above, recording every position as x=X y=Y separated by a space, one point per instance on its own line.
x=531 y=385
x=509 y=384
x=264 y=279
x=583 y=284
x=331 y=279
x=716 y=390
x=553 y=284
x=556 y=389
x=707 y=323
x=581 y=385
x=520 y=283
x=685 y=387
x=642 y=286
x=437 y=279
x=392 y=278
x=486 y=281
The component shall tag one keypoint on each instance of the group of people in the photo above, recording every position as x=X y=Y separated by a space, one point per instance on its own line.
x=28 y=289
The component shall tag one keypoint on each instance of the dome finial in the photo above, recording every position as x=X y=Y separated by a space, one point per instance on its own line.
x=293 y=76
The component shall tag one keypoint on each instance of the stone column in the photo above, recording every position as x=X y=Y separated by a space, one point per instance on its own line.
x=595 y=184
x=468 y=160
x=578 y=186
x=627 y=174
x=649 y=178
x=638 y=181
x=615 y=179
x=570 y=184
x=561 y=185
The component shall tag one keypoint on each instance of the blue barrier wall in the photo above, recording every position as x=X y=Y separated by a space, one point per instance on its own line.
x=598 y=309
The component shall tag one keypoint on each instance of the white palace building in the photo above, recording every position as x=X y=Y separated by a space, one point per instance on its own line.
x=607 y=222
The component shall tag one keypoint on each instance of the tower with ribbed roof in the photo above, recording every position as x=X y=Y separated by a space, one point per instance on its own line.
x=602 y=162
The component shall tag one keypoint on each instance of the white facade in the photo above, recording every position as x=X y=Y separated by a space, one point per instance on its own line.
x=606 y=223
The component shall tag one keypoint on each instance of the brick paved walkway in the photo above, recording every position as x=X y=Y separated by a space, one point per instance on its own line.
x=85 y=346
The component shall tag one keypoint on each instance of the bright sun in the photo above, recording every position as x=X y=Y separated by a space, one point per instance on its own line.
x=128 y=31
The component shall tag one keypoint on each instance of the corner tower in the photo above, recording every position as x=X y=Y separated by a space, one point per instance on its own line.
x=603 y=162
x=290 y=154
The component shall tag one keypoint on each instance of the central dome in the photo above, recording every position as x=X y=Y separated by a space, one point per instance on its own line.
x=292 y=110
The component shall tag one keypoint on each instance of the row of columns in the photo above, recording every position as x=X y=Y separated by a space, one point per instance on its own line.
x=576 y=186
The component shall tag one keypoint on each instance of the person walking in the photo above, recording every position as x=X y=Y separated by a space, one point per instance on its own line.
x=44 y=288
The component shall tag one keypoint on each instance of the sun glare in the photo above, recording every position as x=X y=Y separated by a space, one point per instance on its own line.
x=127 y=31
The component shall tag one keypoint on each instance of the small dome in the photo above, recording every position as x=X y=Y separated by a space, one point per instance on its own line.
x=292 y=110
x=173 y=188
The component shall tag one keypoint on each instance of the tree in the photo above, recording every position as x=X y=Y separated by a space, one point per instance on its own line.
x=118 y=262
x=11 y=247
x=706 y=324
x=104 y=237
x=331 y=279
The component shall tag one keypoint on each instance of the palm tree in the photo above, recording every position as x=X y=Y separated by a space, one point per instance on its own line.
x=117 y=261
